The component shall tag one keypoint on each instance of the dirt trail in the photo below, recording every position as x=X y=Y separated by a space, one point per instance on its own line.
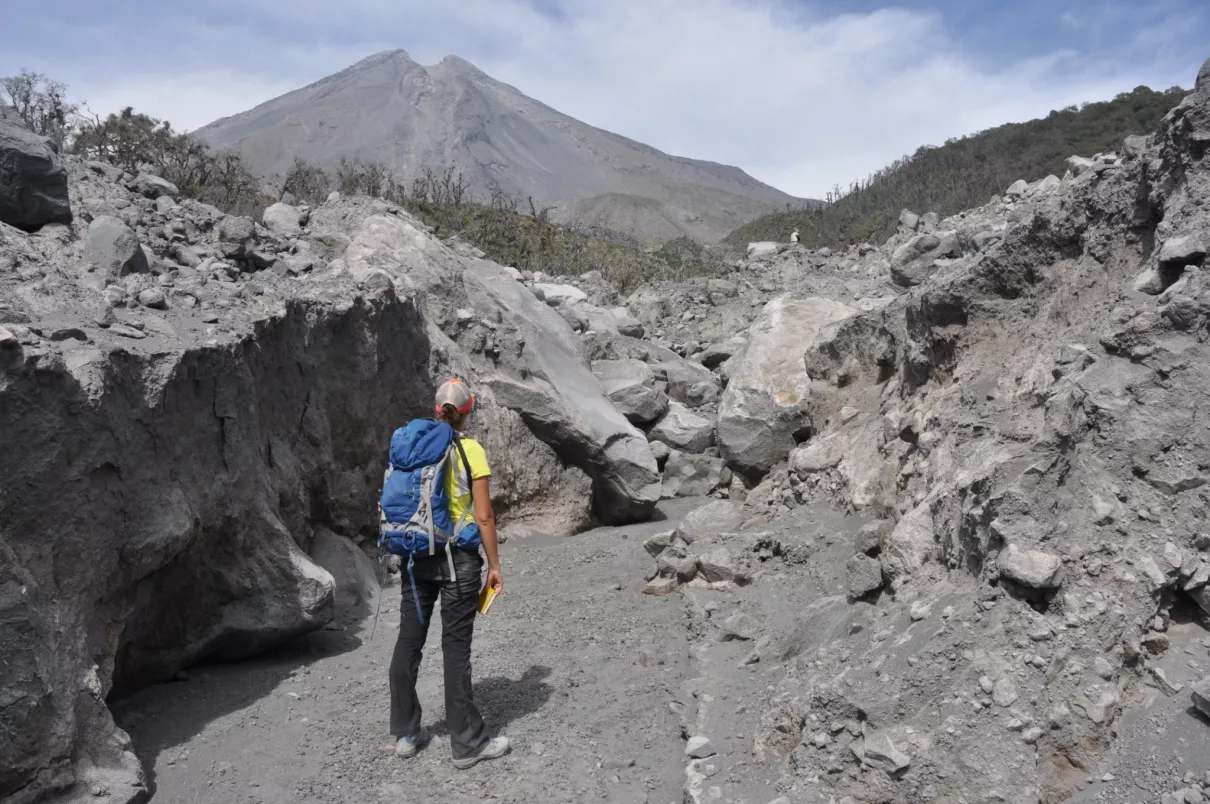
x=574 y=664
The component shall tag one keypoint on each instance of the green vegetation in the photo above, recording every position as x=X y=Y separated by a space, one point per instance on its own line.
x=526 y=240
x=965 y=172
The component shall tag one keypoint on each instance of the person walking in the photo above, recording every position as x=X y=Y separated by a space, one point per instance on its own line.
x=455 y=577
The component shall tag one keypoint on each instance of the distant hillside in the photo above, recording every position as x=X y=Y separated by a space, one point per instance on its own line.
x=387 y=109
x=966 y=172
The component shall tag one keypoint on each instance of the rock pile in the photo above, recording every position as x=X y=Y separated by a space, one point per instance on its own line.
x=1008 y=398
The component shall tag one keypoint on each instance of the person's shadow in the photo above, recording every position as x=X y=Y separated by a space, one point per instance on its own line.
x=502 y=700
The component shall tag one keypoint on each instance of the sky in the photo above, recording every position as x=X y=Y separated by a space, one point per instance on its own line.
x=802 y=94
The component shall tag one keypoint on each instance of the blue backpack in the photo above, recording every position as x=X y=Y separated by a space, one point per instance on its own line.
x=414 y=512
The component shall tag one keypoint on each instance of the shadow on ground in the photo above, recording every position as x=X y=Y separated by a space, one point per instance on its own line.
x=207 y=694
x=502 y=700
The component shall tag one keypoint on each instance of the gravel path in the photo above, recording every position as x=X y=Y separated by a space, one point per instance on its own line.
x=574 y=664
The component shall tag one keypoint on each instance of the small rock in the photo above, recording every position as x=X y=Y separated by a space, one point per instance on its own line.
x=153 y=298
x=1031 y=736
x=1103 y=668
x=699 y=748
x=920 y=610
x=880 y=751
x=659 y=543
x=1005 y=693
x=1161 y=678
x=660 y=586
x=738 y=627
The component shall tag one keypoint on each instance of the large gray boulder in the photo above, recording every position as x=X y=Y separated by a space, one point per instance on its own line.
x=528 y=358
x=33 y=181
x=682 y=429
x=283 y=219
x=688 y=475
x=631 y=386
x=910 y=262
x=113 y=249
x=764 y=412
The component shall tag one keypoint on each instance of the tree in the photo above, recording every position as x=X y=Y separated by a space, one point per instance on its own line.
x=306 y=182
x=41 y=104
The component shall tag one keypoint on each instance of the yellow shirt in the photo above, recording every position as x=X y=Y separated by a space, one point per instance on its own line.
x=455 y=478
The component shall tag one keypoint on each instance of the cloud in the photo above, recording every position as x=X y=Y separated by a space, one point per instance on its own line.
x=799 y=96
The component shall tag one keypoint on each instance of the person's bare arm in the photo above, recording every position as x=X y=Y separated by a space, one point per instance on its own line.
x=486 y=518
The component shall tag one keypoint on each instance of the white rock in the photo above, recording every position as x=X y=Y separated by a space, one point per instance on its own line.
x=699 y=748
x=1032 y=568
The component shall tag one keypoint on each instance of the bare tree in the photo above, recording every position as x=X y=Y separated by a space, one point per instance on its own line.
x=41 y=104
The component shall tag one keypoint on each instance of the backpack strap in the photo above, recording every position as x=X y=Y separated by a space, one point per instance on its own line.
x=470 y=485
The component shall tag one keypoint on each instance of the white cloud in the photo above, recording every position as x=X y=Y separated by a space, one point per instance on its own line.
x=799 y=99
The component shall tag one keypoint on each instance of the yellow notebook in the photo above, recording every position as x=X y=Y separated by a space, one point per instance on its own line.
x=486 y=598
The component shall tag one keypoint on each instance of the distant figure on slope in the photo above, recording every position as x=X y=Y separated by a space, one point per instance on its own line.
x=794 y=236
x=440 y=483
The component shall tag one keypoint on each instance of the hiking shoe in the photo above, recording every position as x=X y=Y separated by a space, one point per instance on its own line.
x=495 y=748
x=410 y=746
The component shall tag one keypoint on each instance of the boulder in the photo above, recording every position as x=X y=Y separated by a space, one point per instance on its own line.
x=682 y=429
x=660 y=451
x=327 y=246
x=1017 y=188
x=1200 y=691
x=689 y=383
x=33 y=181
x=559 y=294
x=716 y=354
x=719 y=565
x=1034 y=569
x=909 y=220
x=356 y=581
x=910 y=264
x=719 y=290
x=1046 y=185
x=1149 y=282
x=1078 y=165
x=149 y=185
x=283 y=219
x=1181 y=251
x=1135 y=145
x=236 y=229
x=113 y=249
x=910 y=544
x=818 y=455
x=703 y=524
x=626 y=324
x=631 y=386
x=763 y=412
x=862 y=575
x=688 y=475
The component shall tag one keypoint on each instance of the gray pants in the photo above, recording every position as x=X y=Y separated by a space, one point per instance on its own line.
x=459 y=600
